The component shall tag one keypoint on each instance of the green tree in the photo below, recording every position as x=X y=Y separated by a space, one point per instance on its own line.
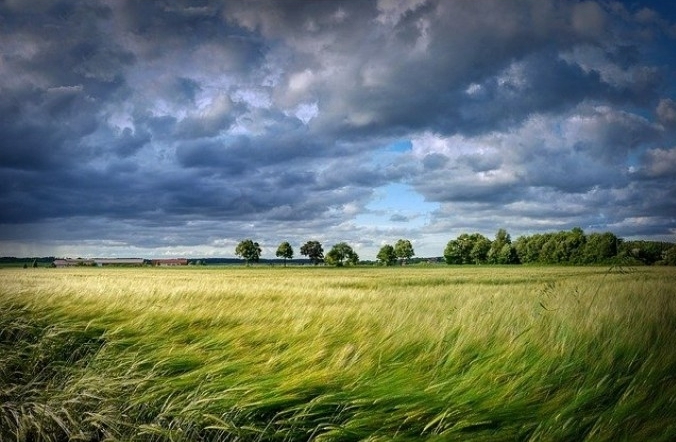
x=648 y=252
x=341 y=254
x=480 y=247
x=467 y=249
x=574 y=242
x=501 y=239
x=669 y=256
x=453 y=252
x=249 y=250
x=284 y=251
x=404 y=250
x=386 y=255
x=313 y=250
x=501 y=250
x=600 y=247
x=528 y=248
x=550 y=252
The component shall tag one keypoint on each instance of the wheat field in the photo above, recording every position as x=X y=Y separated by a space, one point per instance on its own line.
x=300 y=353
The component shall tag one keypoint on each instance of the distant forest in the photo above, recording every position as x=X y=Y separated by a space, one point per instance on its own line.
x=572 y=247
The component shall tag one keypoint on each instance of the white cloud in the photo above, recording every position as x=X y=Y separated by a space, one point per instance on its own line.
x=306 y=112
x=666 y=112
x=660 y=162
x=589 y=19
x=391 y=11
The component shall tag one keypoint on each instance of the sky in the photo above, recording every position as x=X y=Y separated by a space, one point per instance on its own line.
x=176 y=128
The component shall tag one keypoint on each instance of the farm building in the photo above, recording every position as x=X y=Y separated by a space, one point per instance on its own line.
x=100 y=262
x=169 y=262
x=70 y=262
x=119 y=262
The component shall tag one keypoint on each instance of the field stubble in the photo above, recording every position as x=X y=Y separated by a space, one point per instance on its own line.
x=455 y=353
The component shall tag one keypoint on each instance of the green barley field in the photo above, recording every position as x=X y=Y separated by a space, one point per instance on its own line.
x=299 y=353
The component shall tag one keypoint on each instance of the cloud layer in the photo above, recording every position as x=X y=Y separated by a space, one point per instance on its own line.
x=150 y=128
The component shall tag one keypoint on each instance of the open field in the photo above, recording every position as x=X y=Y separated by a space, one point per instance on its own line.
x=443 y=353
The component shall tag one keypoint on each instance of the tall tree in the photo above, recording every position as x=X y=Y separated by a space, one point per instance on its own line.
x=249 y=250
x=648 y=252
x=575 y=242
x=528 y=248
x=467 y=249
x=501 y=250
x=386 y=255
x=601 y=247
x=453 y=252
x=313 y=250
x=480 y=247
x=284 y=251
x=404 y=250
x=341 y=254
x=669 y=256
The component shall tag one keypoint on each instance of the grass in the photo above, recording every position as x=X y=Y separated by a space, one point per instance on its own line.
x=440 y=353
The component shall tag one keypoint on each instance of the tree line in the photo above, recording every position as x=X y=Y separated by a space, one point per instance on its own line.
x=564 y=247
x=572 y=247
x=339 y=255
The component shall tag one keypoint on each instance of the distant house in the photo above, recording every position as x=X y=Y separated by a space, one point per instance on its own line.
x=126 y=262
x=118 y=262
x=71 y=262
x=100 y=262
x=169 y=262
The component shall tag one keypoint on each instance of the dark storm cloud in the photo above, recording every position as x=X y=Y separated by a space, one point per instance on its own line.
x=187 y=88
x=127 y=143
x=217 y=155
x=39 y=129
x=416 y=76
x=220 y=116
x=666 y=113
x=659 y=163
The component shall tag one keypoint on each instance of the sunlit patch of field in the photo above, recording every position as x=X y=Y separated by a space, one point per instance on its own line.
x=461 y=353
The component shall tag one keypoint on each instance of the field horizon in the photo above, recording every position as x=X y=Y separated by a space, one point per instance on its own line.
x=317 y=353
